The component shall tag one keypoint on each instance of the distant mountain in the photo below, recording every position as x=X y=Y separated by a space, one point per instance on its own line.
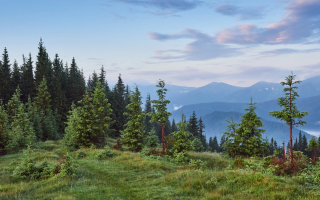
x=173 y=91
x=310 y=104
x=212 y=92
x=216 y=125
x=260 y=92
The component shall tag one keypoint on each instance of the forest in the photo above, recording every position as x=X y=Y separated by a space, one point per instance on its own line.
x=63 y=136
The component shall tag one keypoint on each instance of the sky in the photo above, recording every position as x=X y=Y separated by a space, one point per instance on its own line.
x=184 y=42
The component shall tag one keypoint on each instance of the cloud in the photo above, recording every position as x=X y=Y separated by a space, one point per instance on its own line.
x=301 y=21
x=277 y=52
x=97 y=59
x=165 y=5
x=203 y=48
x=241 y=13
x=186 y=74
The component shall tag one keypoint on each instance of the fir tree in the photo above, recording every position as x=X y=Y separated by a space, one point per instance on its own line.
x=152 y=139
x=232 y=143
x=313 y=146
x=222 y=141
x=27 y=79
x=5 y=74
x=215 y=145
x=15 y=76
x=4 y=127
x=304 y=144
x=181 y=142
x=197 y=145
x=160 y=105
x=290 y=112
x=300 y=146
x=133 y=134
x=119 y=106
x=193 y=126
x=174 y=126
x=250 y=135
x=201 y=131
x=147 y=118
x=295 y=145
x=210 y=144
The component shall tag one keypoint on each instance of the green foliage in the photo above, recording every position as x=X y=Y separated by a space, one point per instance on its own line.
x=81 y=154
x=197 y=164
x=182 y=144
x=106 y=153
x=89 y=123
x=133 y=135
x=197 y=145
x=4 y=127
x=67 y=167
x=30 y=170
x=152 y=139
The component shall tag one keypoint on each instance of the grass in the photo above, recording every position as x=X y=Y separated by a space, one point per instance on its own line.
x=134 y=176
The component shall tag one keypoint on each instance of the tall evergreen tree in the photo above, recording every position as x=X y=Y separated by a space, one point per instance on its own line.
x=5 y=73
x=313 y=146
x=15 y=76
x=88 y=124
x=147 y=109
x=133 y=134
x=193 y=126
x=232 y=144
x=290 y=112
x=160 y=105
x=215 y=145
x=27 y=79
x=295 y=145
x=222 y=141
x=4 y=127
x=305 y=145
x=42 y=68
x=174 y=127
x=300 y=146
x=76 y=84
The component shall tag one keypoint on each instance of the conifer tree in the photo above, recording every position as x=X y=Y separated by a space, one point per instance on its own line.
x=147 y=118
x=215 y=145
x=271 y=146
x=21 y=133
x=290 y=114
x=102 y=77
x=119 y=106
x=35 y=119
x=152 y=139
x=133 y=134
x=210 y=144
x=42 y=64
x=197 y=145
x=76 y=83
x=193 y=126
x=174 y=126
x=15 y=76
x=5 y=73
x=42 y=102
x=27 y=79
x=232 y=144
x=4 y=127
x=88 y=124
x=160 y=105
x=250 y=134
x=300 y=147
x=304 y=144
x=222 y=141
x=182 y=144
x=295 y=145
x=313 y=146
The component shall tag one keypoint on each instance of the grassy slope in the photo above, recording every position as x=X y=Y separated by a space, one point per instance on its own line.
x=133 y=176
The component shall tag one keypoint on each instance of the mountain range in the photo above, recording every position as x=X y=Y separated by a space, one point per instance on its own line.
x=222 y=99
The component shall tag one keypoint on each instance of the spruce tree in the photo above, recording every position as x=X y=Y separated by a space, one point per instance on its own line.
x=271 y=146
x=4 y=127
x=119 y=106
x=21 y=133
x=88 y=124
x=15 y=76
x=222 y=141
x=211 y=144
x=300 y=147
x=304 y=144
x=160 y=105
x=193 y=126
x=133 y=134
x=152 y=139
x=197 y=145
x=42 y=65
x=174 y=126
x=5 y=74
x=182 y=144
x=232 y=144
x=147 y=118
x=295 y=145
x=215 y=146
x=27 y=79
x=290 y=114
x=313 y=146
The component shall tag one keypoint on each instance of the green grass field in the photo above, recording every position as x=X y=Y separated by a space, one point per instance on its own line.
x=130 y=175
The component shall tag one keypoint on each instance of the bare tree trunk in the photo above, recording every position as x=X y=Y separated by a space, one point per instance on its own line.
x=284 y=153
x=291 y=152
x=163 y=145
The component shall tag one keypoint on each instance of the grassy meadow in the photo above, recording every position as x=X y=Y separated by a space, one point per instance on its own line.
x=129 y=175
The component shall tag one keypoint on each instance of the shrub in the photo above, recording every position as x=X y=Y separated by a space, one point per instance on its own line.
x=81 y=155
x=106 y=153
x=197 y=164
x=66 y=166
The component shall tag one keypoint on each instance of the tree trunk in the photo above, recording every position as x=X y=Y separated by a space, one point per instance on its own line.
x=163 y=145
x=284 y=153
x=291 y=156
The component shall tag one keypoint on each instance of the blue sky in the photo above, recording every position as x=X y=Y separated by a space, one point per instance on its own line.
x=184 y=42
